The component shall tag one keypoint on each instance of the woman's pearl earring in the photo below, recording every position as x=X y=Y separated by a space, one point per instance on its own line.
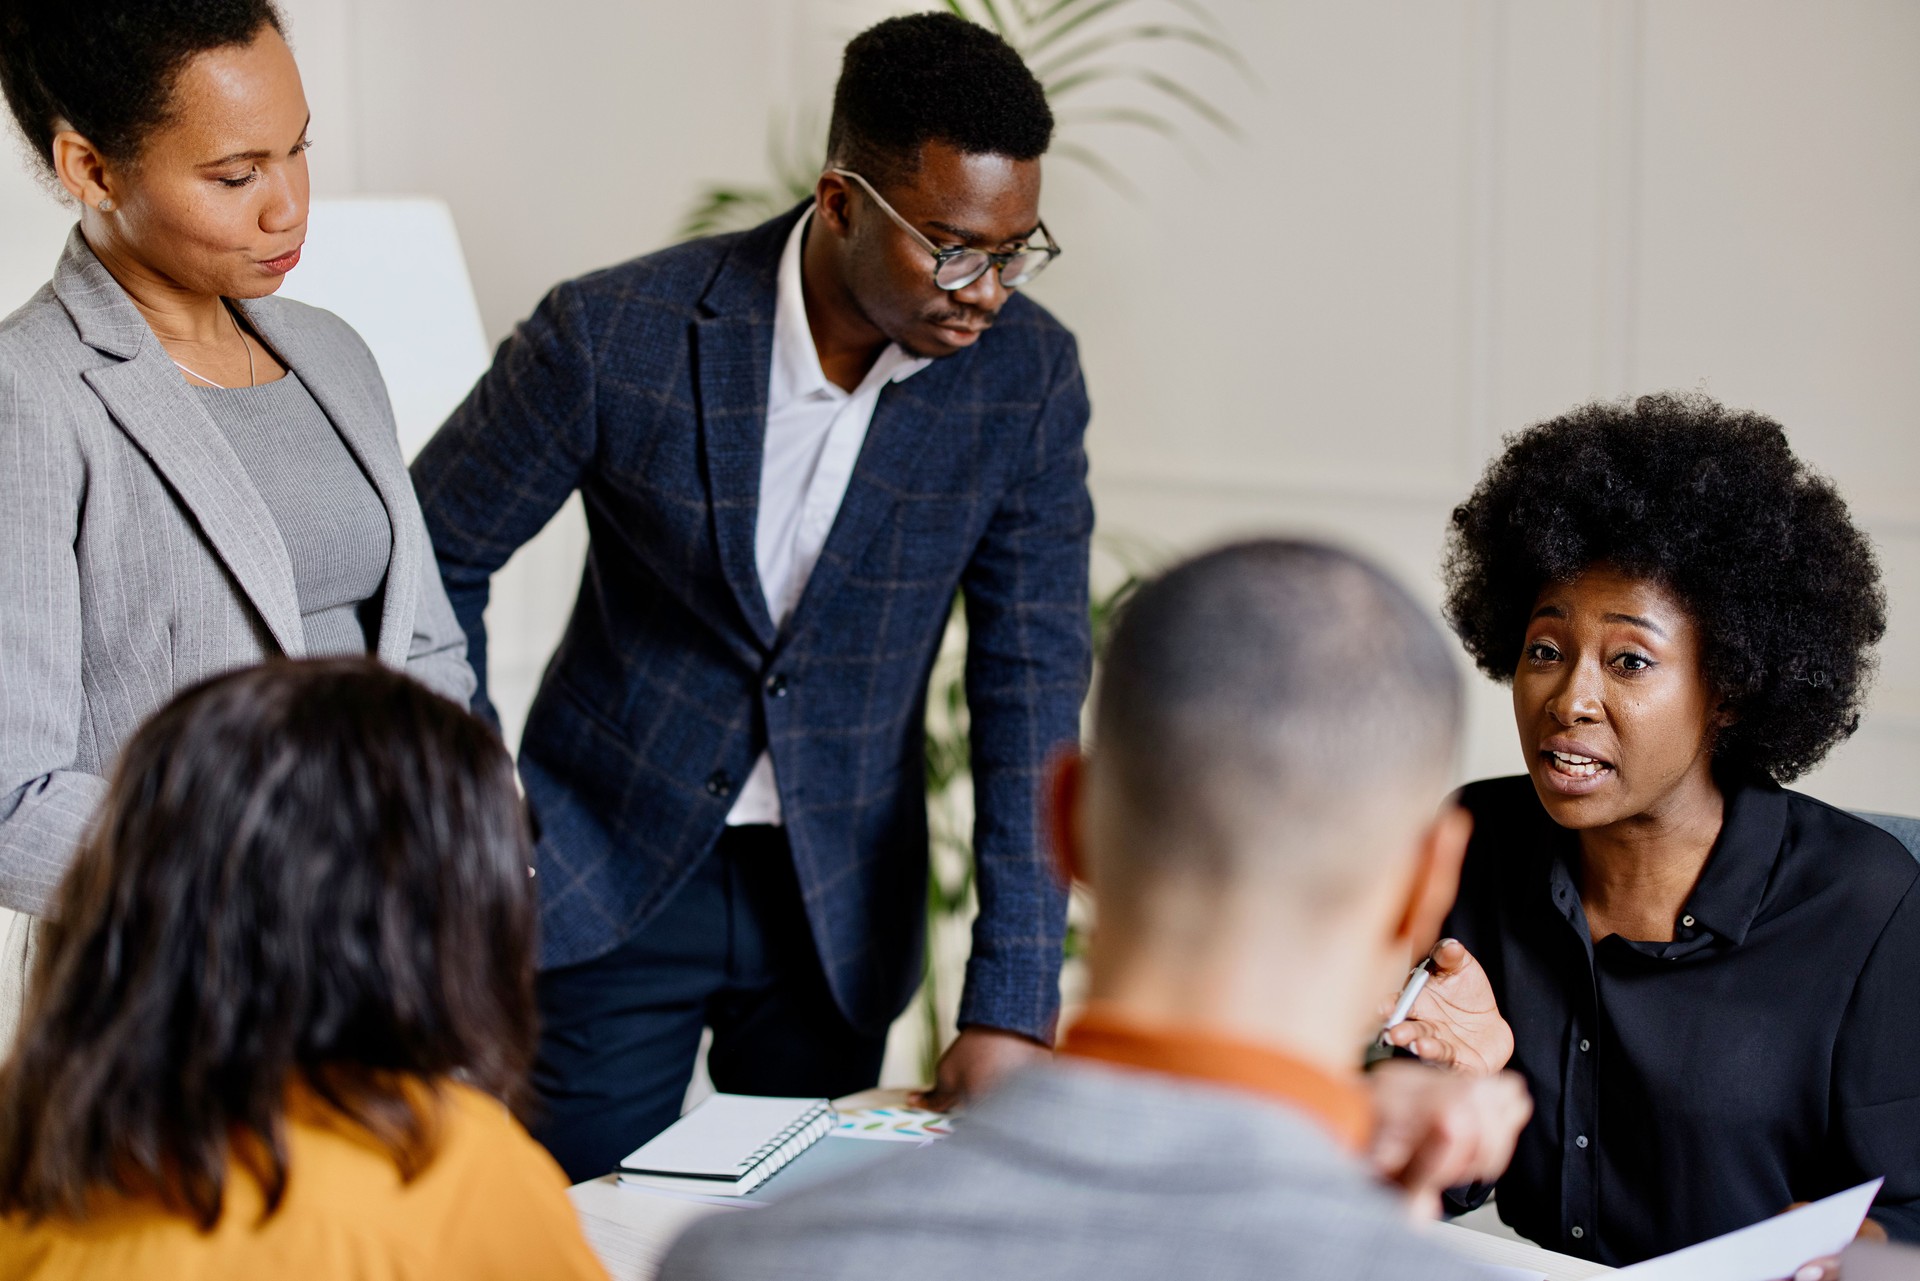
x=106 y=206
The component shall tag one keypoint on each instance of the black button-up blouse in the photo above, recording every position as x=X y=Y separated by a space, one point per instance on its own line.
x=1769 y=1054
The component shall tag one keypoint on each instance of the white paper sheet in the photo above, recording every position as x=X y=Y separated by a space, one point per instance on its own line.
x=1771 y=1248
x=630 y=1231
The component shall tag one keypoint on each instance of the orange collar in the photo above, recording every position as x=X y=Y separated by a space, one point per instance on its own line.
x=1106 y=1035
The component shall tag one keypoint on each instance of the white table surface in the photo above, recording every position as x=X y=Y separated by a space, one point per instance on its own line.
x=629 y=1229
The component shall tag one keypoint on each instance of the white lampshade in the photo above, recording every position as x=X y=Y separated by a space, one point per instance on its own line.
x=391 y=267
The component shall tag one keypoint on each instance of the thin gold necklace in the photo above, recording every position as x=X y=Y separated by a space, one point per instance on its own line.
x=252 y=381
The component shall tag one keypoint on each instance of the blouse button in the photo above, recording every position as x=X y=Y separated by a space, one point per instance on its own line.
x=1580 y=1141
x=1585 y=1045
x=1577 y=1232
x=1687 y=921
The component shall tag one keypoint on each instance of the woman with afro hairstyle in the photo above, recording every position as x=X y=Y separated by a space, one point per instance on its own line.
x=1704 y=978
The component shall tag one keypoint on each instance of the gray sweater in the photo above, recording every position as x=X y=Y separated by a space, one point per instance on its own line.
x=1079 y=1170
x=335 y=528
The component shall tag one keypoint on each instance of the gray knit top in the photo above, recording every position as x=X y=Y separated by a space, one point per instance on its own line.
x=331 y=519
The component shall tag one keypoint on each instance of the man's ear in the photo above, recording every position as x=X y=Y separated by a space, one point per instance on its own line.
x=1434 y=880
x=1066 y=786
x=830 y=196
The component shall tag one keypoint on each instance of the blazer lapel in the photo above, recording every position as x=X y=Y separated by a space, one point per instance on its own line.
x=365 y=422
x=154 y=406
x=905 y=418
x=732 y=358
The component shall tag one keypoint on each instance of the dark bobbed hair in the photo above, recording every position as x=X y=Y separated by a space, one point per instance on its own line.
x=1712 y=504
x=305 y=874
x=107 y=67
x=1283 y=679
x=931 y=77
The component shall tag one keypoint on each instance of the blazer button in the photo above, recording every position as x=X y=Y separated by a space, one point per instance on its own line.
x=777 y=685
x=719 y=784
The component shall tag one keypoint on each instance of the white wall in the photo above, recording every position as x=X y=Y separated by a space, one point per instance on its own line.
x=1447 y=220
x=1452 y=220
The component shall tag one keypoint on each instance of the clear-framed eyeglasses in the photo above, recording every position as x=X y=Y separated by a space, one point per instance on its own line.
x=960 y=266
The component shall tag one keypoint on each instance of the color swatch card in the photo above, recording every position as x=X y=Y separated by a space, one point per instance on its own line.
x=899 y=1125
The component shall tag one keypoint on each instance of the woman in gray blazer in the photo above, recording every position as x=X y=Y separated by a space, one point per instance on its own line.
x=193 y=475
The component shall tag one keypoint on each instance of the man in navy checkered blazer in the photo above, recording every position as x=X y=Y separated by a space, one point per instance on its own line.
x=794 y=445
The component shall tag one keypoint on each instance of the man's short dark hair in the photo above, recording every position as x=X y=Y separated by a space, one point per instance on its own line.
x=932 y=77
x=1267 y=694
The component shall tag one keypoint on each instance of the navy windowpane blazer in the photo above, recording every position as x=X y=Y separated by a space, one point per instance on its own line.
x=644 y=387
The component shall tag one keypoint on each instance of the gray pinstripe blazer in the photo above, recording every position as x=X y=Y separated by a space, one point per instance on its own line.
x=135 y=555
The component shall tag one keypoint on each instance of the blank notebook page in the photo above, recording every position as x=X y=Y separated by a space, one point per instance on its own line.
x=724 y=1137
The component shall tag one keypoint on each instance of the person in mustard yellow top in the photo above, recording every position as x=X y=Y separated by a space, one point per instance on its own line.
x=288 y=1004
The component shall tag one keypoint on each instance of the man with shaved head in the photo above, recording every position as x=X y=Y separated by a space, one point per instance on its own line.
x=1256 y=821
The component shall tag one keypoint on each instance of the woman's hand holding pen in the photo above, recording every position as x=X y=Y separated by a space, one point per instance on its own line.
x=1455 y=1022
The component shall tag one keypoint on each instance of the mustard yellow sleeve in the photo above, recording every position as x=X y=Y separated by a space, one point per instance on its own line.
x=514 y=1217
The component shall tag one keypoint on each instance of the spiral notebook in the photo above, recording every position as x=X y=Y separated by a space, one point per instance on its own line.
x=729 y=1145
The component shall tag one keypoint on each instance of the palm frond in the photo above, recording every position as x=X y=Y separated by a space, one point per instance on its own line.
x=986 y=13
x=1069 y=23
x=1065 y=10
x=721 y=208
x=1061 y=62
x=1122 y=116
x=1194 y=102
x=1153 y=79
x=1101 y=168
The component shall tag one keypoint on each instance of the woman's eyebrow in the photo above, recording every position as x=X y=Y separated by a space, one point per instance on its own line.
x=256 y=154
x=1638 y=621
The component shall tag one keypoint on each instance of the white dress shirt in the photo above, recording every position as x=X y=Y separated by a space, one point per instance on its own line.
x=814 y=434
